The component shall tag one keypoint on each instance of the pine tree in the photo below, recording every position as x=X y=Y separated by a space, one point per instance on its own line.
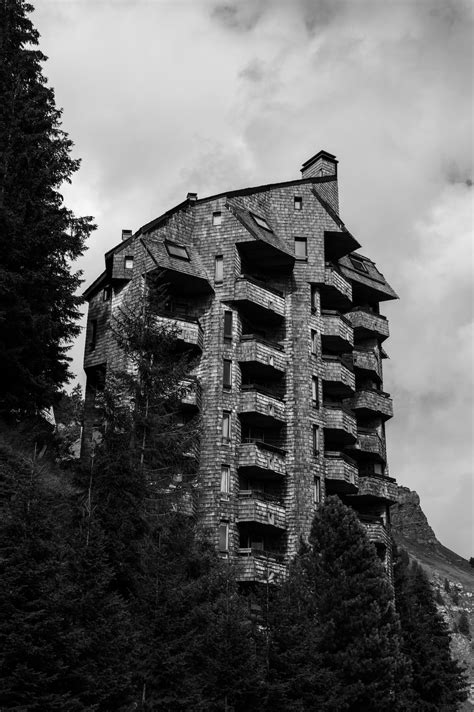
x=359 y=630
x=39 y=236
x=438 y=682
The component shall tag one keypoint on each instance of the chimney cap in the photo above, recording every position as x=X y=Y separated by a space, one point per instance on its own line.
x=192 y=197
x=321 y=154
x=126 y=234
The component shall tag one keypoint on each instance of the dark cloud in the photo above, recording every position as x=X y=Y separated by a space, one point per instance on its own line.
x=241 y=16
x=318 y=14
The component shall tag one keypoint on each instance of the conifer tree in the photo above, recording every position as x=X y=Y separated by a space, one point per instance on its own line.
x=438 y=681
x=39 y=236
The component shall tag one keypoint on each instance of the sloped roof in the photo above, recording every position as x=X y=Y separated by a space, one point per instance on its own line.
x=244 y=216
x=370 y=278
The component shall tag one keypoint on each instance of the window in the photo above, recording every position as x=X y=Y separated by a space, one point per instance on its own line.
x=219 y=269
x=223 y=536
x=314 y=342
x=300 y=248
x=225 y=479
x=128 y=262
x=315 y=391
x=175 y=250
x=314 y=301
x=358 y=264
x=316 y=490
x=106 y=294
x=226 y=424
x=315 y=439
x=228 y=325
x=298 y=202
x=217 y=218
x=378 y=469
x=93 y=342
x=227 y=373
x=261 y=222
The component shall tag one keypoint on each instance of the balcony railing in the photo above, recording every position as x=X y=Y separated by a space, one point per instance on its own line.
x=369 y=443
x=339 y=423
x=377 y=486
x=337 y=335
x=367 y=324
x=253 y=509
x=366 y=360
x=188 y=329
x=336 y=291
x=338 y=375
x=260 y=566
x=261 y=301
x=266 y=355
x=191 y=396
x=368 y=401
x=263 y=458
x=340 y=472
x=264 y=406
x=375 y=529
x=171 y=500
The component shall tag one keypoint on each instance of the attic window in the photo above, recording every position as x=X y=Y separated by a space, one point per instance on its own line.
x=298 y=202
x=217 y=218
x=128 y=262
x=261 y=222
x=175 y=250
x=358 y=264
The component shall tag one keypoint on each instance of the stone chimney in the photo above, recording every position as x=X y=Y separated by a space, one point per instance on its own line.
x=126 y=234
x=322 y=164
x=192 y=197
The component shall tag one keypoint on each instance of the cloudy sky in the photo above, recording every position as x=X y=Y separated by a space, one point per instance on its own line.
x=165 y=97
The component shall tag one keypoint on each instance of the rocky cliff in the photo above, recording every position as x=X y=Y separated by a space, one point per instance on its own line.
x=452 y=576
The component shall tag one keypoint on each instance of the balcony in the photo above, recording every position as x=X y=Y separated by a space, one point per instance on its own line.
x=337 y=336
x=261 y=459
x=340 y=473
x=378 y=487
x=369 y=445
x=258 y=302
x=338 y=378
x=375 y=530
x=336 y=290
x=170 y=500
x=260 y=407
x=368 y=325
x=367 y=361
x=191 y=395
x=261 y=359
x=261 y=509
x=339 y=426
x=188 y=329
x=368 y=403
x=256 y=565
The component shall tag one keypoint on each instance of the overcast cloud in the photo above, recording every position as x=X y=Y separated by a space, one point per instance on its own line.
x=162 y=98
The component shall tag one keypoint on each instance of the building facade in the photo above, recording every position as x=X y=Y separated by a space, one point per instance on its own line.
x=266 y=288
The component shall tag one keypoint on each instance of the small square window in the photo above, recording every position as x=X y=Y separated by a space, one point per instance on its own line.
x=217 y=218
x=315 y=430
x=261 y=222
x=298 y=202
x=128 y=262
x=175 y=250
x=358 y=264
x=227 y=373
x=228 y=325
x=219 y=269
x=300 y=248
x=225 y=479
x=316 y=490
x=223 y=537
x=226 y=424
x=378 y=468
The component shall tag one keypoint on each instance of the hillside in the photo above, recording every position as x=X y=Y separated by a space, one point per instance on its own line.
x=451 y=575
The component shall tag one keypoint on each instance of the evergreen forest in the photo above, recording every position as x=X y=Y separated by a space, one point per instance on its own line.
x=112 y=597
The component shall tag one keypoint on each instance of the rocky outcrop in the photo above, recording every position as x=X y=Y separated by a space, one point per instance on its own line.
x=409 y=520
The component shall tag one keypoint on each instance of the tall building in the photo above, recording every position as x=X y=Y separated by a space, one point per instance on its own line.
x=266 y=288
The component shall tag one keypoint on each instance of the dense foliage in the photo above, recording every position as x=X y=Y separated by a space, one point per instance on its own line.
x=39 y=236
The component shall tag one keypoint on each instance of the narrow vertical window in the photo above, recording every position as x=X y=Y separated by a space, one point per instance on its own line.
x=314 y=342
x=228 y=325
x=219 y=269
x=217 y=218
x=106 y=294
x=315 y=439
x=225 y=479
x=298 y=202
x=316 y=490
x=314 y=301
x=227 y=373
x=300 y=248
x=226 y=425
x=93 y=342
x=223 y=536
x=315 y=391
x=128 y=262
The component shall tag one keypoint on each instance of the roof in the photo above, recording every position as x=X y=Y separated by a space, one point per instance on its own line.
x=368 y=279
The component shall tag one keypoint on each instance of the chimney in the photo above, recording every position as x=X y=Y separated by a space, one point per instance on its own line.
x=192 y=197
x=322 y=164
x=126 y=234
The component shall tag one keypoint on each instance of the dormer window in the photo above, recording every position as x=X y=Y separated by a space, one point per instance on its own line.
x=178 y=251
x=358 y=264
x=261 y=222
x=128 y=262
